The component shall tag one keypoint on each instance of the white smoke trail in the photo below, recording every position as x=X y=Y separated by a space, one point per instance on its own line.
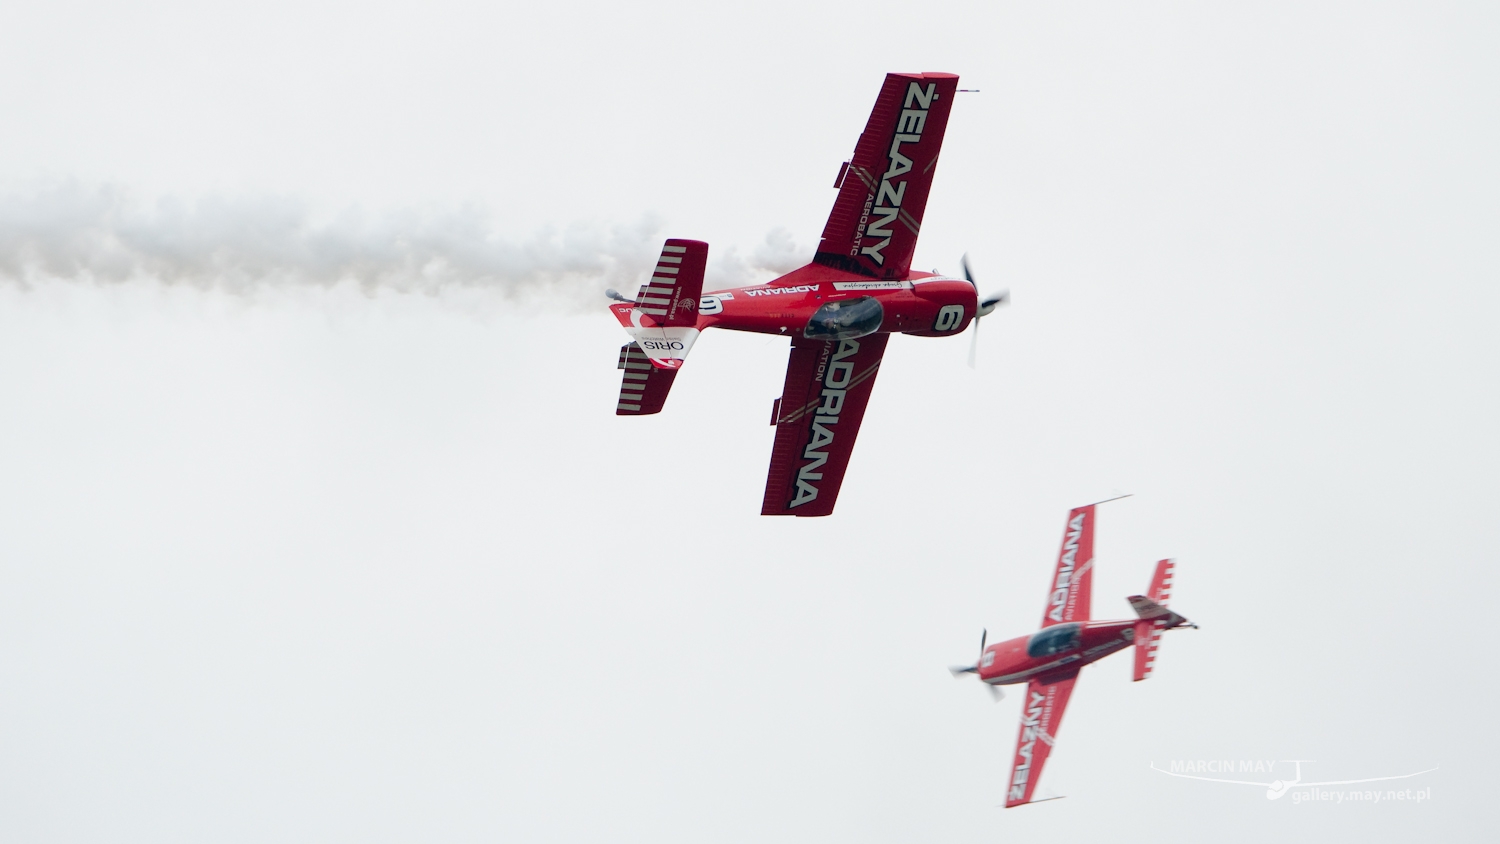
x=106 y=234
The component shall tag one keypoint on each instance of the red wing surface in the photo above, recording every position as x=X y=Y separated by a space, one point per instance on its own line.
x=644 y=388
x=883 y=188
x=828 y=384
x=1041 y=715
x=1068 y=599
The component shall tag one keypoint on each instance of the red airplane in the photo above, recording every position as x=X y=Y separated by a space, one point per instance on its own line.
x=838 y=311
x=1049 y=660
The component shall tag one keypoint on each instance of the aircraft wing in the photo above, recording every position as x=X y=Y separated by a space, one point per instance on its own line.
x=873 y=227
x=828 y=384
x=1041 y=715
x=1069 y=598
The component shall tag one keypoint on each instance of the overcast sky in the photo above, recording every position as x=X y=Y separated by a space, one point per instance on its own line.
x=316 y=524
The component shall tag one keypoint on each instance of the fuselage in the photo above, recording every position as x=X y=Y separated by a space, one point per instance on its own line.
x=1070 y=645
x=820 y=301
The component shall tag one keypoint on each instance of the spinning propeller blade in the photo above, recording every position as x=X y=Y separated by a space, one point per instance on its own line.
x=956 y=670
x=985 y=305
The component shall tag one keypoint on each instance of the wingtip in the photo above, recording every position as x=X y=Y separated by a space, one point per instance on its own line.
x=1009 y=805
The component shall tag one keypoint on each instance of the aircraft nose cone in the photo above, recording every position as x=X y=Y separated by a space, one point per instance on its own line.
x=1277 y=789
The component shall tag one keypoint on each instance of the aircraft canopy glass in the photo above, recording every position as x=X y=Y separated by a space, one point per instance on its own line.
x=1055 y=640
x=845 y=319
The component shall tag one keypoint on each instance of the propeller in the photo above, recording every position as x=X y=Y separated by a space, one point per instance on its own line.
x=986 y=305
x=956 y=670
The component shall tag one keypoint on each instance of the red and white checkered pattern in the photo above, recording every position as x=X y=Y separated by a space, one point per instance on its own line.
x=1148 y=633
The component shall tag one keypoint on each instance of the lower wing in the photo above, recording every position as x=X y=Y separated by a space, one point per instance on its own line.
x=1041 y=715
x=828 y=384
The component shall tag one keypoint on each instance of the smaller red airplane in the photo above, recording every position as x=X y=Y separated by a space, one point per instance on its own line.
x=1049 y=660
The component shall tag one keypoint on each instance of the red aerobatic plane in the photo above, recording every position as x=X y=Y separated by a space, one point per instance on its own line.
x=838 y=311
x=1049 y=660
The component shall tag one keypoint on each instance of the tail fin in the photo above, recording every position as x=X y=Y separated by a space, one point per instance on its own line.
x=663 y=318
x=1155 y=617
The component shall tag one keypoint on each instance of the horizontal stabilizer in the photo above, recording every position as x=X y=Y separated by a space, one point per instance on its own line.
x=644 y=388
x=670 y=298
x=1155 y=617
x=1161 y=582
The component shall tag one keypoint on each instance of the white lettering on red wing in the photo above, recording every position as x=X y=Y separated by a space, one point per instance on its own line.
x=1065 y=568
x=890 y=194
x=1030 y=727
x=834 y=375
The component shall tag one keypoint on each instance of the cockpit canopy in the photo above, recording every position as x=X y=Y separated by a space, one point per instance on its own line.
x=845 y=319
x=1054 y=640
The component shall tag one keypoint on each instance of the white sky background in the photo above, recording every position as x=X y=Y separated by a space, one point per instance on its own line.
x=280 y=561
